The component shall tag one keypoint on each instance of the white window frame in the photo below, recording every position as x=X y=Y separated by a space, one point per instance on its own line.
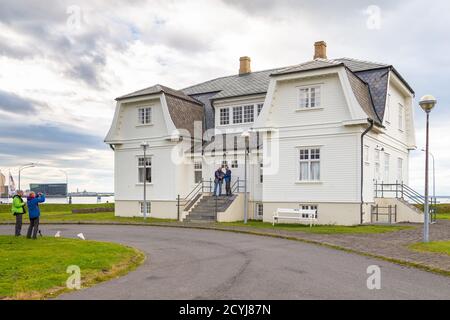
x=141 y=166
x=248 y=113
x=259 y=210
x=224 y=118
x=309 y=161
x=377 y=166
x=307 y=105
x=145 y=116
x=198 y=167
x=149 y=207
x=309 y=207
x=238 y=113
x=386 y=167
x=245 y=114
x=401 y=117
x=259 y=108
x=366 y=154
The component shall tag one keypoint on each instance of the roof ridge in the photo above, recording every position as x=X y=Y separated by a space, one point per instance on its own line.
x=364 y=61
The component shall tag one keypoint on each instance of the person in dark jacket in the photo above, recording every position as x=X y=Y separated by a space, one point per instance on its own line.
x=218 y=181
x=18 y=210
x=34 y=213
x=227 y=178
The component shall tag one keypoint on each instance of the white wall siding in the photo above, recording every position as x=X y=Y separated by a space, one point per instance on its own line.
x=129 y=127
x=285 y=111
x=339 y=171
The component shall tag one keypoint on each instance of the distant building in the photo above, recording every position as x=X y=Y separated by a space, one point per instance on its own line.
x=50 y=189
x=3 y=188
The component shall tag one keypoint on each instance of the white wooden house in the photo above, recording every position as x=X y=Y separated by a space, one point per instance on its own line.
x=323 y=134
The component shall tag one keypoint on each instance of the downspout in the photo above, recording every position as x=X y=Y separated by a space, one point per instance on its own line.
x=371 y=122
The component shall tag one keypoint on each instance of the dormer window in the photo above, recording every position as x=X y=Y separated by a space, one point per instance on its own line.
x=249 y=114
x=145 y=116
x=237 y=115
x=309 y=97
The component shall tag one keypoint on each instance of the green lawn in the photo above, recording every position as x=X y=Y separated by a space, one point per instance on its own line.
x=36 y=269
x=442 y=247
x=63 y=212
x=369 y=229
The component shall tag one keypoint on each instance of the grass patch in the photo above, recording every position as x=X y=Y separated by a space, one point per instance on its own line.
x=36 y=269
x=441 y=247
x=63 y=213
x=366 y=229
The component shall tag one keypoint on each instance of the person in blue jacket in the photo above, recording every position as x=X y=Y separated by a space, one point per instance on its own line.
x=34 y=213
x=227 y=179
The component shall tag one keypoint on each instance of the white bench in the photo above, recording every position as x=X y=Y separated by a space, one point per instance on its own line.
x=295 y=214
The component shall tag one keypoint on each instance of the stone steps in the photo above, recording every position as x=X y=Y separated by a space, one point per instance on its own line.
x=205 y=209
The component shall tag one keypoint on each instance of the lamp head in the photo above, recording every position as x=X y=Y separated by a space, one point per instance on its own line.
x=427 y=103
x=144 y=144
x=245 y=134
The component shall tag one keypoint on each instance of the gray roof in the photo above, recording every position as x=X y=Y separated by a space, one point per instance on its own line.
x=234 y=86
x=307 y=66
x=364 y=97
x=156 y=89
x=378 y=83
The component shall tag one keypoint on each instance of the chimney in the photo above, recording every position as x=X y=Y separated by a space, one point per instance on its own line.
x=320 y=50
x=245 y=65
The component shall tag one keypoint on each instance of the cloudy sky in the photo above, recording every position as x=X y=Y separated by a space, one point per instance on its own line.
x=62 y=64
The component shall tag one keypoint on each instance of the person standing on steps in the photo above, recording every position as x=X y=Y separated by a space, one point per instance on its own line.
x=34 y=213
x=227 y=178
x=218 y=181
x=18 y=210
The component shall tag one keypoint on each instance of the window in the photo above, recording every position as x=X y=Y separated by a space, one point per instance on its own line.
x=145 y=116
x=309 y=207
x=261 y=172
x=387 y=159
x=366 y=154
x=259 y=210
x=377 y=176
x=149 y=207
x=237 y=115
x=142 y=174
x=387 y=113
x=309 y=97
x=234 y=164
x=224 y=116
x=401 y=116
x=249 y=114
x=260 y=106
x=224 y=163
x=198 y=171
x=309 y=164
x=400 y=170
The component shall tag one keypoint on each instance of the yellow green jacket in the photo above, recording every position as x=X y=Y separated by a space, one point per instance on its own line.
x=18 y=206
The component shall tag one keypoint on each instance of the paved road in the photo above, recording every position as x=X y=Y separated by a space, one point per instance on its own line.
x=201 y=264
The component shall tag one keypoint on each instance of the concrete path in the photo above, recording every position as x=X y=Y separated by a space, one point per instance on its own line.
x=203 y=264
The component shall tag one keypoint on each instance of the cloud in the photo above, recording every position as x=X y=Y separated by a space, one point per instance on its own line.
x=10 y=102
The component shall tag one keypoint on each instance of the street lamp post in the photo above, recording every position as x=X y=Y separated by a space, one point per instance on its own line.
x=30 y=165
x=144 y=146
x=434 y=173
x=427 y=103
x=246 y=136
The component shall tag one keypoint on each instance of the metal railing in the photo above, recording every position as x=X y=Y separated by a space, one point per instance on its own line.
x=193 y=196
x=238 y=186
x=402 y=191
x=390 y=211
